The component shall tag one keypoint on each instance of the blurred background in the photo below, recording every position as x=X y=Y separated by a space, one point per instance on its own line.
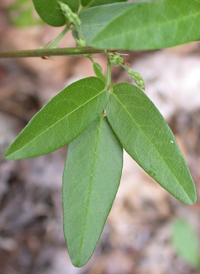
x=147 y=231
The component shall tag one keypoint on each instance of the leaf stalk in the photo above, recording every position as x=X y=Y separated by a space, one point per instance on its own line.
x=58 y=38
x=108 y=83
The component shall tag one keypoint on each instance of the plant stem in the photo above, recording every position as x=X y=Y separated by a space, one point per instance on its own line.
x=58 y=38
x=51 y=52
x=108 y=83
x=79 y=30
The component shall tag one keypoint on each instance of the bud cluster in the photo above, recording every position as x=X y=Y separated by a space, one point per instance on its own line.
x=115 y=59
x=81 y=42
x=69 y=14
x=136 y=77
x=73 y=18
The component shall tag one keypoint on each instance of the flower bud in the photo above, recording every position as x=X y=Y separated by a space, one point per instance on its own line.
x=115 y=59
x=140 y=84
x=78 y=21
x=69 y=15
x=65 y=8
x=69 y=18
x=130 y=71
x=137 y=76
x=81 y=42
x=74 y=16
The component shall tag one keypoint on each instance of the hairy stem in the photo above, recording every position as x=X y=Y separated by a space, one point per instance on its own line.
x=51 y=52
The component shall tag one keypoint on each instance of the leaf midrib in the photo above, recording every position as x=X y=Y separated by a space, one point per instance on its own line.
x=57 y=122
x=111 y=19
x=89 y=192
x=143 y=133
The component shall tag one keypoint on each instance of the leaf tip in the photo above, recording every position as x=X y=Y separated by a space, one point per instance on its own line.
x=78 y=265
x=79 y=260
x=11 y=154
x=8 y=155
x=191 y=199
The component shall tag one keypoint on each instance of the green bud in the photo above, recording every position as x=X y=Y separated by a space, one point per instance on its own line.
x=81 y=42
x=137 y=76
x=130 y=71
x=69 y=15
x=140 y=84
x=74 y=15
x=65 y=8
x=76 y=18
x=78 y=21
x=134 y=75
x=69 y=18
x=115 y=59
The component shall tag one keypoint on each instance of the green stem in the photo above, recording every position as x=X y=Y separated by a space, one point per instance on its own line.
x=58 y=38
x=108 y=83
x=51 y=52
x=79 y=30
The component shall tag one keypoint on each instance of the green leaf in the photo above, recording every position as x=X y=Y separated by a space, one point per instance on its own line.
x=84 y=3
x=50 y=12
x=94 y=3
x=26 y=19
x=145 y=135
x=21 y=14
x=94 y=19
x=186 y=243
x=152 y=25
x=90 y=182
x=61 y=120
x=19 y=4
x=98 y=71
